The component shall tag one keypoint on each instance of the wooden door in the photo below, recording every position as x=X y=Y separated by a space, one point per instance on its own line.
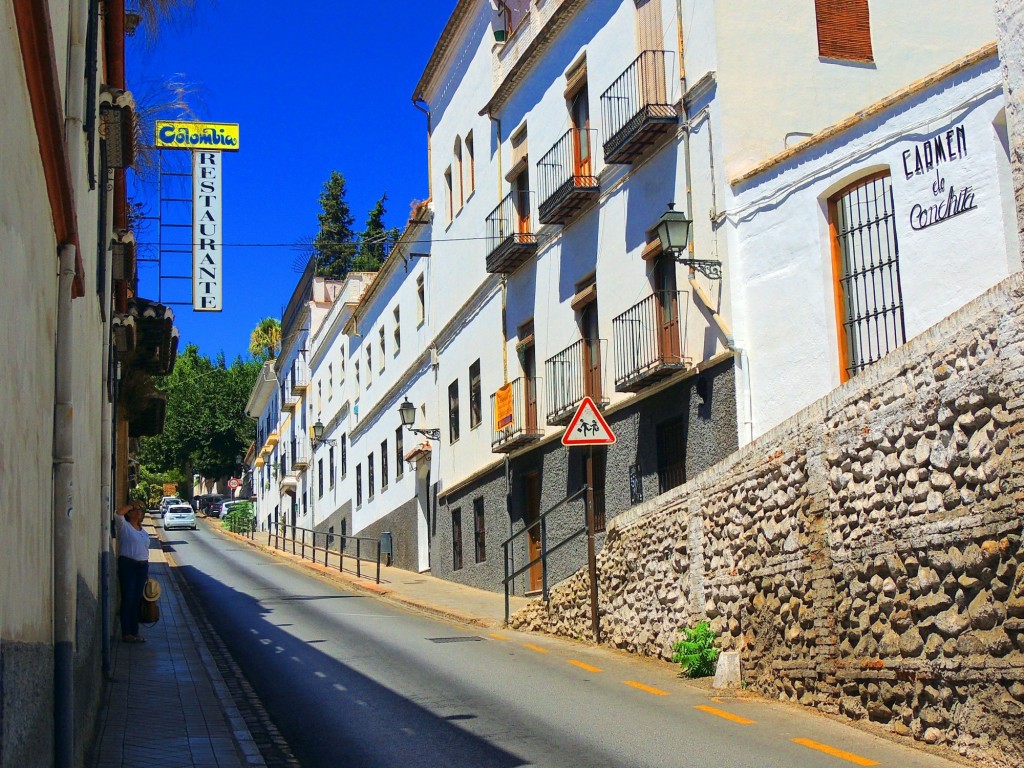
x=532 y=481
x=522 y=201
x=650 y=43
x=530 y=388
x=581 y=132
x=667 y=309
x=591 y=352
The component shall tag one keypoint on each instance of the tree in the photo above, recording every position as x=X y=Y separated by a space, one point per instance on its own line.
x=265 y=340
x=333 y=247
x=374 y=240
x=206 y=427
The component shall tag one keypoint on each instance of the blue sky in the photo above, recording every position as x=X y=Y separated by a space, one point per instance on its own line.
x=315 y=86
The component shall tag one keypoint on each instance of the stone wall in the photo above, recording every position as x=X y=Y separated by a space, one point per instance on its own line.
x=864 y=557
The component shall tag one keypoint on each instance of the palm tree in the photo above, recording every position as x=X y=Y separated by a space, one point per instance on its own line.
x=265 y=339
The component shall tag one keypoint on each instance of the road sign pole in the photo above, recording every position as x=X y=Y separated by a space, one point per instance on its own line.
x=588 y=502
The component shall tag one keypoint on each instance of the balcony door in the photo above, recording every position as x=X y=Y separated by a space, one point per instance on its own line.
x=666 y=300
x=521 y=190
x=591 y=351
x=529 y=356
x=579 y=112
x=649 y=44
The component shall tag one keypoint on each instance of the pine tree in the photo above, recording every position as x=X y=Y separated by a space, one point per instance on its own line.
x=375 y=240
x=332 y=245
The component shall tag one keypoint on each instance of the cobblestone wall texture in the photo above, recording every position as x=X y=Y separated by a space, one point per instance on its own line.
x=864 y=557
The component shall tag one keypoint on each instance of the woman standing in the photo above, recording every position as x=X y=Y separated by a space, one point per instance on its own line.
x=132 y=567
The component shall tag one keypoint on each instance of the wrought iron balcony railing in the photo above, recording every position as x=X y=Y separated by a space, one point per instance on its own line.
x=300 y=455
x=511 y=239
x=299 y=378
x=571 y=375
x=650 y=341
x=638 y=109
x=567 y=178
x=519 y=426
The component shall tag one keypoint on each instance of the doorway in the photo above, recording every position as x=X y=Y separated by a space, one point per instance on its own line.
x=532 y=483
x=423 y=515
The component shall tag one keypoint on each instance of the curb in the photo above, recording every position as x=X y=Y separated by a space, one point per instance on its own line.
x=370 y=588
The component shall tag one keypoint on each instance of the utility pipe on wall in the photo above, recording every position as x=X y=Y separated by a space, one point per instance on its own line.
x=430 y=174
x=64 y=567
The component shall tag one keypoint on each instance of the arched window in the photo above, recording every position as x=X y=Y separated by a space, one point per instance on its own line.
x=460 y=197
x=866 y=271
x=470 y=164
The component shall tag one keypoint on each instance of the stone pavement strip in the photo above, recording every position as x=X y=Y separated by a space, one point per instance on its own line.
x=167 y=704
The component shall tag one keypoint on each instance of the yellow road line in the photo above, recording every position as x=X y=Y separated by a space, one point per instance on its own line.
x=496 y=636
x=645 y=688
x=536 y=648
x=726 y=715
x=840 y=753
x=583 y=666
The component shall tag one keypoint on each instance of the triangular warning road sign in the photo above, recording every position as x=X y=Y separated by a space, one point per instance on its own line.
x=588 y=427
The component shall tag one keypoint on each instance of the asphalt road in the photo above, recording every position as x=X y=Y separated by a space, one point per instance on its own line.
x=353 y=681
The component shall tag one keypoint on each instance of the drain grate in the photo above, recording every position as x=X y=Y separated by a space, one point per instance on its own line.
x=460 y=639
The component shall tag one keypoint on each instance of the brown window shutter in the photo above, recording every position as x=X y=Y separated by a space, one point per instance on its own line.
x=844 y=29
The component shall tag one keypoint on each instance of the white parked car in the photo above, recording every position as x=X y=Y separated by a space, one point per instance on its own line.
x=167 y=501
x=227 y=506
x=179 y=516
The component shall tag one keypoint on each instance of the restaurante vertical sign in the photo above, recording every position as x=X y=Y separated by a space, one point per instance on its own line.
x=207 y=242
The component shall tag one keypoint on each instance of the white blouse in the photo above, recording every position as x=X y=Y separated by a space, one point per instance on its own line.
x=131 y=543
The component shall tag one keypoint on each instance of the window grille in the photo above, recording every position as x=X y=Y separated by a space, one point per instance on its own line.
x=866 y=255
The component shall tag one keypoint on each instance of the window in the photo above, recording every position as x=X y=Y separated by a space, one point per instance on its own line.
x=383 y=464
x=344 y=454
x=457 y=152
x=355 y=369
x=303 y=503
x=319 y=395
x=331 y=466
x=844 y=29
x=456 y=539
x=449 y=199
x=341 y=371
x=382 y=350
x=578 y=96
x=398 y=331
x=866 y=273
x=359 y=485
x=470 y=165
x=399 y=453
x=369 y=477
x=479 y=530
x=475 y=396
x=369 y=364
x=421 y=301
x=585 y=305
x=515 y=12
x=453 y=411
x=330 y=380
x=670 y=437
x=320 y=478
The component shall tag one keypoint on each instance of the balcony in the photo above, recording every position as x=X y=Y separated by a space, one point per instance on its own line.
x=521 y=426
x=650 y=341
x=300 y=457
x=272 y=439
x=572 y=374
x=511 y=240
x=292 y=401
x=299 y=379
x=566 y=179
x=636 y=109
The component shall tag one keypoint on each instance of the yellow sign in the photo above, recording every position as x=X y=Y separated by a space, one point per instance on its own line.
x=170 y=489
x=176 y=134
x=503 y=402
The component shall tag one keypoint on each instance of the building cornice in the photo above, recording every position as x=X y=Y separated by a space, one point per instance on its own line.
x=444 y=45
x=964 y=62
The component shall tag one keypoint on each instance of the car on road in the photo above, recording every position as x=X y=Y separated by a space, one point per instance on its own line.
x=167 y=501
x=179 y=516
x=221 y=510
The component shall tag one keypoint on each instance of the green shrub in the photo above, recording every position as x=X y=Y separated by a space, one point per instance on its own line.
x=241 y=518
x=696 y=652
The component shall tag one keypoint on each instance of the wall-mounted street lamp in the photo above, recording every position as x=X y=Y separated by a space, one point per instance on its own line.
x=407 y=412
x=318 y=435
x=673 y=230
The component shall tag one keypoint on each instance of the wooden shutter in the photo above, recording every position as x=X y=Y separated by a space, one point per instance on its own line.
x=648 y=26
x=844 y=29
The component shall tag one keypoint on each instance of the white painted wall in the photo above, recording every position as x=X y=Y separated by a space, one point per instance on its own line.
x=779 y=227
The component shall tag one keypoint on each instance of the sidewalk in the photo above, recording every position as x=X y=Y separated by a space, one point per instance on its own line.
x=166 y=703
x=420 y=591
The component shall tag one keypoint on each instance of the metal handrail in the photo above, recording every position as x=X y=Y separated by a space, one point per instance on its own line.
x=512 y=218
x=279 y=534
x=561 y=165
x=644 y=83
x=639 y=342
x=544 y=550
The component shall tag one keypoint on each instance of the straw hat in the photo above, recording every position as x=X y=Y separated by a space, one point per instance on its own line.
x=151 y=591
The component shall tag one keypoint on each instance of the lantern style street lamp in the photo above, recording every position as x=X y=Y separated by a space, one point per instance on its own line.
x=673 y=230
x=407 y=412
x=318 y=435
